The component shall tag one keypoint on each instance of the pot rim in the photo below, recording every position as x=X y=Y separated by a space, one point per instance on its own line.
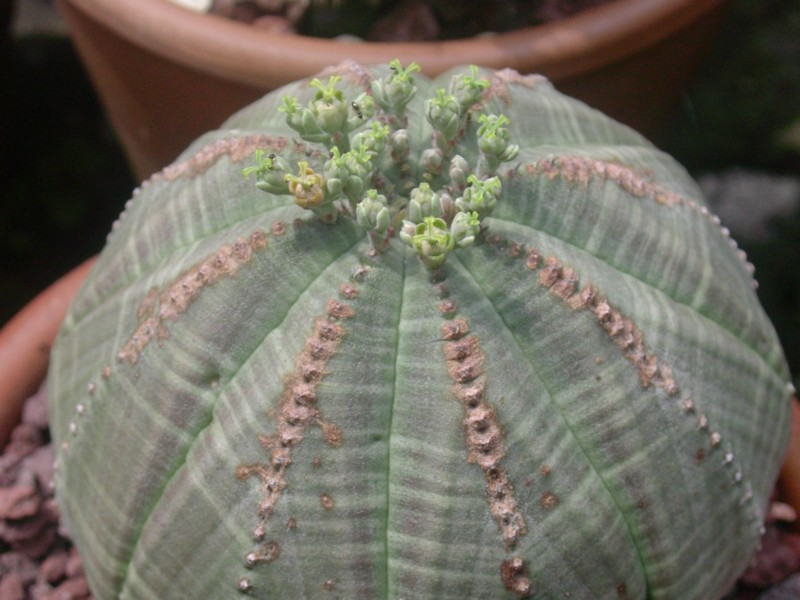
x=253 y=56
x=25 y=343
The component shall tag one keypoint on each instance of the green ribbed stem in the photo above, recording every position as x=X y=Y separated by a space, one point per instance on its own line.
x=588 y=400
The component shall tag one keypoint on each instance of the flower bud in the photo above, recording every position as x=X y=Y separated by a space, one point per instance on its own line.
x=467 y=89
x=459 y=171
x=302 y=120
x=306 y=124
x=423 y=202
x=346 y=173
x=407 y=232
x=395 y=91
x=464 y=228
x=432 y=159
x=330 y=116
x=448 y=206
x=432 y=241
x=494 y=140
x=399 y=145
x=480 y=196
x=372 y=213
x=361 y=110
x=373 y=140
x=270 y=171
x=307 y=187
x=444 y=114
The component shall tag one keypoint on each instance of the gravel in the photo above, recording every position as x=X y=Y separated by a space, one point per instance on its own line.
x=37 y=559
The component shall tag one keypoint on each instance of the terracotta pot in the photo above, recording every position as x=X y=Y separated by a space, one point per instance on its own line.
x=789 y=480
x=25 y=343
x=167 y=75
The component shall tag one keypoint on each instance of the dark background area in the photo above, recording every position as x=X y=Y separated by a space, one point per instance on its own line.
x=64 y=178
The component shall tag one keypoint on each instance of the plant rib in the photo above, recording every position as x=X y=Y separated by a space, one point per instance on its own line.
x=297 y=411
x=483 y=437
x=160 y=306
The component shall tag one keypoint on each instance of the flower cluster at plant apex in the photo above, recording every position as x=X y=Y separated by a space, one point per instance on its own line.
x=435 y=201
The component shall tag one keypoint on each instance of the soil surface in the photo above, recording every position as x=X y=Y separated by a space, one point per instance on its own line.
x=37 y=559
x=399 y=21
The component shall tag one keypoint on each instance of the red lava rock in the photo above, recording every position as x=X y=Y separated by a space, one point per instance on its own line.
x=19 y=530
x=25 y=435
x=71 y=589
x=25 y=439
x=26 y=535
x=54 y=567
x=223 y=8
x=74 y=564
x=247 y=12
x=35 y=410
x=37 y=562
x=19 y=501
x=40 y=464
x=412 y=20
x=39 y=590
x=20 y=564
x=39 y=545
x=11 y=587
x=409 y=22
x=779 y=557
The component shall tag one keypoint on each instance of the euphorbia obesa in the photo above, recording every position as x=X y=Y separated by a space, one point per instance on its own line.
x=382 y=336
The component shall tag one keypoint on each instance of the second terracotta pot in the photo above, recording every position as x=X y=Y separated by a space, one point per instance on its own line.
x=166 y=75
x=25 y=343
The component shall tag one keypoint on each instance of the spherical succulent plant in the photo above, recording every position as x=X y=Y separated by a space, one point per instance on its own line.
x=382 y=336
